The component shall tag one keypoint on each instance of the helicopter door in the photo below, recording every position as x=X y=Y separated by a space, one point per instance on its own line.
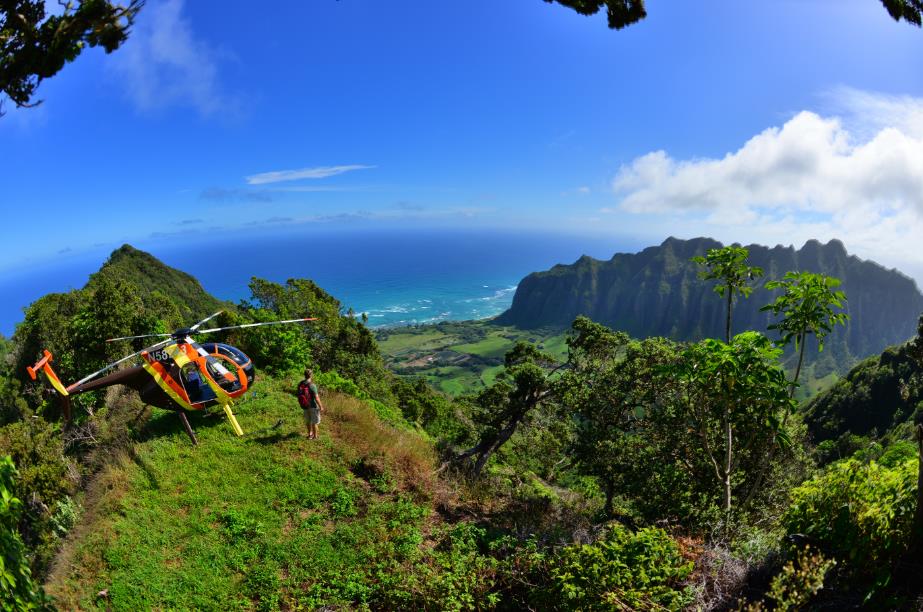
x=196 y=388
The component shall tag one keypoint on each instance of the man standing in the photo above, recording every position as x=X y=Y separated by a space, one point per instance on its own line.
x=309 y=399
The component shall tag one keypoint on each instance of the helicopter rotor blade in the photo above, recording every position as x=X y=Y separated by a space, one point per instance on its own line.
x=197 y=325
x=141 y=336
x=215 y=329
x=115 y=363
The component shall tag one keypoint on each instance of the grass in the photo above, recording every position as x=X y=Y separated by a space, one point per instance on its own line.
x=267 y=521
x=453 y=380
x=555 y=345
x=495 y=346
x=430 y=339
x=489 y=375
x=458 y=367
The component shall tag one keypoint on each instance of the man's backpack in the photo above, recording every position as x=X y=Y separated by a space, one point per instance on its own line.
x=304 y=395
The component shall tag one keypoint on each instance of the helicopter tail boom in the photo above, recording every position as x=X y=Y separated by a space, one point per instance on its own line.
x=44 y=365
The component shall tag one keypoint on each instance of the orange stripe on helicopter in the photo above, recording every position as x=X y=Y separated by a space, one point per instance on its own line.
x=166 y=382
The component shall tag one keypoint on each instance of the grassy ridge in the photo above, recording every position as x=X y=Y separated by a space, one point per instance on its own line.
x=272 y=519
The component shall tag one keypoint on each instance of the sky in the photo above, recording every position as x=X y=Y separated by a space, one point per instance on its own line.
x=767 y=122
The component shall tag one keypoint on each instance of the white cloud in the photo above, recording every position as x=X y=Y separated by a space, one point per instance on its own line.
x=857 y=176
x=865 y=112
x=163 y=63
x=304 y=173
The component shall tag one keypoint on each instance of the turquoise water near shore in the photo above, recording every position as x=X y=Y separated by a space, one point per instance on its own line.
x=395 y=277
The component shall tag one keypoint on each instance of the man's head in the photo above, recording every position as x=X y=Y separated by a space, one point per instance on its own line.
x=308 y=374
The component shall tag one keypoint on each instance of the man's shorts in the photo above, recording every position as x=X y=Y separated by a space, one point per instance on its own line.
x=312 y=416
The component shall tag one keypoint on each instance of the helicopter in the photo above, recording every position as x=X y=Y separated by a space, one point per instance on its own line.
x=176 y=373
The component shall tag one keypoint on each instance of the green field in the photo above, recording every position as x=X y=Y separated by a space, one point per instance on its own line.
x=460 y=357
x=426 y=339
x=495 y=345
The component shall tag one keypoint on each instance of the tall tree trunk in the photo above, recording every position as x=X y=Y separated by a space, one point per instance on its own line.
x=498 y=441
x=791 y=393
x=727 y=460
x=727 y=327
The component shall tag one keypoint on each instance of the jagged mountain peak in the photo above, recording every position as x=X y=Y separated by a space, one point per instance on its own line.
x=657 y=292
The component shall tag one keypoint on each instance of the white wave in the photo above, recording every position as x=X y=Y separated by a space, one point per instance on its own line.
x=497 y=295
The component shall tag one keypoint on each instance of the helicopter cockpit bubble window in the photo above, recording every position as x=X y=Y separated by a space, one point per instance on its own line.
x=233 y=353
x=222 y=375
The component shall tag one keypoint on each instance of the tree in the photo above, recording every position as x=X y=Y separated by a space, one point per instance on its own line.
x=34 y=46
x=728 y=266
x=17 y=589
x=12 y=405
x=917 y=533
x=808 y=306
x=113 y=309
x=731 y=396
x=908 y=10
x=611 y=382
x=504 y=406
x=623 y=13
x=337 y=341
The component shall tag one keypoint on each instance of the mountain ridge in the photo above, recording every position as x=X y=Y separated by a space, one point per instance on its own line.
x=657 y=292
x=149 y=275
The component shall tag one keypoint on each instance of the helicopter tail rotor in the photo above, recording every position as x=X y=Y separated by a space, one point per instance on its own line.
x=43 y=365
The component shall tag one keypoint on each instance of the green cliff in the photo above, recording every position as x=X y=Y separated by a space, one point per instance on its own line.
x=879 y=394
x=657 y=292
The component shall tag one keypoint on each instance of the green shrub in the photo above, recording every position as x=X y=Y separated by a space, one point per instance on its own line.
x=343 y=503
x=43 y=481
x=453 y=575
x=421 y=405
x=862 y=513
x=626 y=570
x=37 y=450
x=65 y=516
x=797 y=583
x=17 y=590
x=465 y=577
x=898 y=453
x=237 y=526
x=13 y=405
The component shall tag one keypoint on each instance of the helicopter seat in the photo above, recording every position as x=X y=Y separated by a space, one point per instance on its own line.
x=196 y=388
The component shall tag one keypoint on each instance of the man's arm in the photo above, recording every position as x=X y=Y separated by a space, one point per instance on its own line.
x=320 y=405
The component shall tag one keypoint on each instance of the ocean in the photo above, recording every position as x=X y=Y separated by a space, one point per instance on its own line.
x=396 y=277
